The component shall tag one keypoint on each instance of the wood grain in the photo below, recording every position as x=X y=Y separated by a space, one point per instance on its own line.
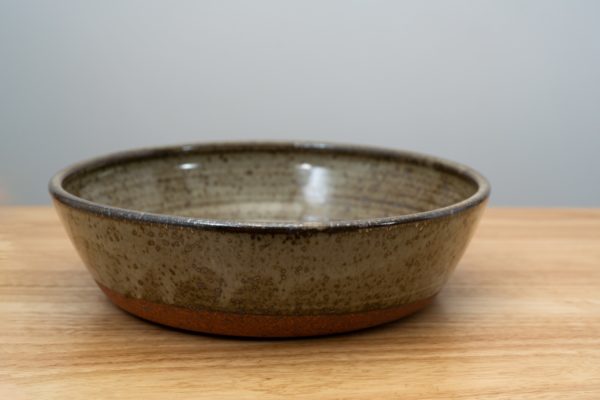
x=520 y=318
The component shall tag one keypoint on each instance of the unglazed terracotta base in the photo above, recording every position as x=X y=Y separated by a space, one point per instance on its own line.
x=276 y=326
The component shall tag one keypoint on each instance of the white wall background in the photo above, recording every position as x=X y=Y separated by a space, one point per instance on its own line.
x=509 y=87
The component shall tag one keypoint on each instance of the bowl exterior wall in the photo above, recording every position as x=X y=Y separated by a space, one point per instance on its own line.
x=289 y=273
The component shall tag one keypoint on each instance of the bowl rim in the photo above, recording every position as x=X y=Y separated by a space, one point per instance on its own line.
x=60 y=194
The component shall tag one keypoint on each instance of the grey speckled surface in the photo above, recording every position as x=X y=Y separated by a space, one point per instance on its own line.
x=277 y=272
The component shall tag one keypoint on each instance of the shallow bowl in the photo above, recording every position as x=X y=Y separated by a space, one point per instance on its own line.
x=270 y=239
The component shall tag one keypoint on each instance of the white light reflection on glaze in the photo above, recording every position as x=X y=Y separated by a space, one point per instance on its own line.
x=188 y=166
x=316 y=183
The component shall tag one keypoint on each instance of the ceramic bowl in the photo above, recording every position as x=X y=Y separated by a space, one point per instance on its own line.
x=270 y=239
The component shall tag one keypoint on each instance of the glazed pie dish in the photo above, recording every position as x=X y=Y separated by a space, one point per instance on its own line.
x=270 y=239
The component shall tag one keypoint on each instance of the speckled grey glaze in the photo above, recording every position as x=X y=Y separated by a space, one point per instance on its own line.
x=271 y=228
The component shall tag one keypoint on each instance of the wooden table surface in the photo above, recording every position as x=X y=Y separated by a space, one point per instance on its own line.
x=520 y=318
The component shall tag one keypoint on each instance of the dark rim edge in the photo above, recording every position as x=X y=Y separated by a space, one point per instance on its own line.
x=58 y=192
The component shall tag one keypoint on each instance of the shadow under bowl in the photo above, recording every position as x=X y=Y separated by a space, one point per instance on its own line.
x=270 y=239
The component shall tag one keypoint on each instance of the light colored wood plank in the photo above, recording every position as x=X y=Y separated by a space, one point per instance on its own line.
x=520 y=318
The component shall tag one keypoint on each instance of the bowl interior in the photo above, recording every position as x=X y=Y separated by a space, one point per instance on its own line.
x=282 y=184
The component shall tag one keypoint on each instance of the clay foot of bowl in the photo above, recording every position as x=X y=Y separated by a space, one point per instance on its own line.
x=249 y=325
